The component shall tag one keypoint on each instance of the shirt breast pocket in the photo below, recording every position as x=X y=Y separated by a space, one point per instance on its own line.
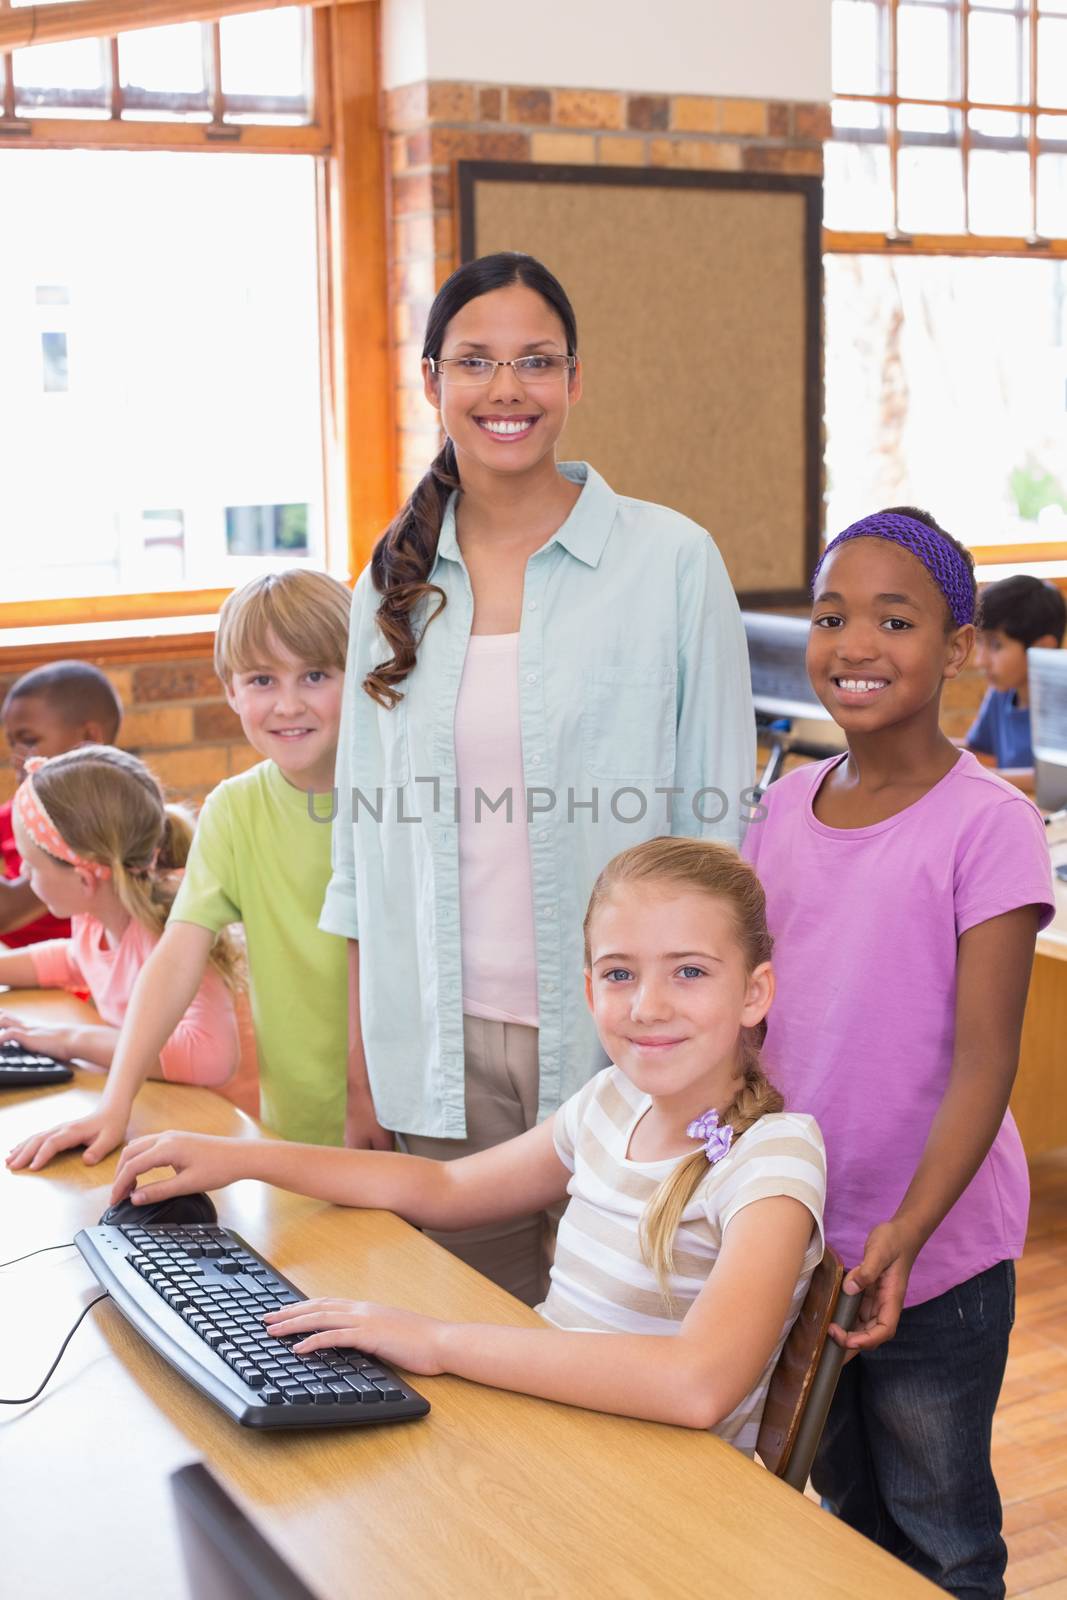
x=381 y=758
x=629 y=728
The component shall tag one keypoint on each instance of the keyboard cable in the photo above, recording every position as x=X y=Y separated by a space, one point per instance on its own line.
x=25 y=1400
x=39 y=1252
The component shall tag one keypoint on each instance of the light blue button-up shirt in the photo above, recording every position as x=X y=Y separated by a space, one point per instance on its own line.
x=637 y=721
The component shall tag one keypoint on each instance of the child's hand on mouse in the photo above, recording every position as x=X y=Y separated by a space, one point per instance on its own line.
x=403 y=1338
x=100 y=1133
x=201 y=1161
x=882 y=1275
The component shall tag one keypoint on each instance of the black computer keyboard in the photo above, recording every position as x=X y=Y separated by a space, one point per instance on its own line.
x=197 y=1293
x=25 y=1069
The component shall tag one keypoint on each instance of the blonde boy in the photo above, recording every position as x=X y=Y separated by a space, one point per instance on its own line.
x=259 y=857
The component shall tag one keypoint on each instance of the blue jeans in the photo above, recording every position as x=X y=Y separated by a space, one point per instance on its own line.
x=905 y=1455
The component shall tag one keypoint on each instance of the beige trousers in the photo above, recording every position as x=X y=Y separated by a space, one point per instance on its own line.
x=501 y=1102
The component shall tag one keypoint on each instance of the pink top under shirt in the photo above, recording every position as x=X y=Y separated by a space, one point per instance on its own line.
x=495 y=882
x=866 y=923
x=203 y=1048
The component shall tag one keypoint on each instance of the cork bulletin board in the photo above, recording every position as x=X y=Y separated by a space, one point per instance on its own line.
x=698 y=297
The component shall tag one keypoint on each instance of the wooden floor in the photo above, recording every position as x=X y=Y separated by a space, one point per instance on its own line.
x=1029 y=1443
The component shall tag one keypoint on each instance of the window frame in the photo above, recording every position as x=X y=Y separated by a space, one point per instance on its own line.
x=864 y=242
x=359 y=442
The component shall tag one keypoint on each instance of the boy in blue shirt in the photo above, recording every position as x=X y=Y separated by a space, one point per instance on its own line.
x=1015 y=614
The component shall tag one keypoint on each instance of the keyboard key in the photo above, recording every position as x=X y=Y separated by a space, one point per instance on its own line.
x=321 y=1394
x=368 y=1394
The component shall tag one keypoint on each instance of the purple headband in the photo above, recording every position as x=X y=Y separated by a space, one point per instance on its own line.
x=939 y=556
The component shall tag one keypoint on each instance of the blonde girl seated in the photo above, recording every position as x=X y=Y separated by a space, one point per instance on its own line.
x=711 y=1246
x=103 y=849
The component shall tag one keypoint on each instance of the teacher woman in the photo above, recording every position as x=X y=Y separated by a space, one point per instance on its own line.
x=541 y=673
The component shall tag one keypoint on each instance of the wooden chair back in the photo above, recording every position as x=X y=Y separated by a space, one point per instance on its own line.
x=805 y=1376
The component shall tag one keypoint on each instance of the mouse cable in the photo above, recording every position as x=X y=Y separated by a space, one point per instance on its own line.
x=40 y=1252
x=40 y=1387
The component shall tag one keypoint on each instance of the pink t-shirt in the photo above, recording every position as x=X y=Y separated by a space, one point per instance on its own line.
x=204 y=1046
x=495 y=881
x=860 y=1035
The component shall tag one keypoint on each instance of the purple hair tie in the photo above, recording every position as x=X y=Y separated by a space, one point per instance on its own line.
x=938 y=555
x=716 y=1140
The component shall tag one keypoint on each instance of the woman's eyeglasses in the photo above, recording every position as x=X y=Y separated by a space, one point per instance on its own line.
x=479 y=370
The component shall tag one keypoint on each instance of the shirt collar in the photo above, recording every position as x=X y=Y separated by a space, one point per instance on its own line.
x=583 y=535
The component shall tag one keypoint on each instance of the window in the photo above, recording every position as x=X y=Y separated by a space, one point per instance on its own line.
x=946 y=272
x=177 y=442
x=253 y=68
x=194 y=218
x=161 y=401
x=950 y=121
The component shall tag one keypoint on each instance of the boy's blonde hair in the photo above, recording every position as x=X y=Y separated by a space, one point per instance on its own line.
x=715 y=870
x=304 y=611
x=109 y=808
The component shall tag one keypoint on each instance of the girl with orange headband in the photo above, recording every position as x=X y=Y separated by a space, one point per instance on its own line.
x=103 y=849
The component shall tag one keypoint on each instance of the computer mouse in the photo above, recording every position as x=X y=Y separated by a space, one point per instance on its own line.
x=179 y=1208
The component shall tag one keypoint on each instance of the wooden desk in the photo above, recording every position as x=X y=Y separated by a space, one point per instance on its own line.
x=1039 y=1100
x=491 y=1495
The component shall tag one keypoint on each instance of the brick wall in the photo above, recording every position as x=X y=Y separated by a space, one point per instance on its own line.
x=176 y=719
x=431 y=126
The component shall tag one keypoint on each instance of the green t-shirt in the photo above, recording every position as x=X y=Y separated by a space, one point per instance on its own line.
x=259 y=858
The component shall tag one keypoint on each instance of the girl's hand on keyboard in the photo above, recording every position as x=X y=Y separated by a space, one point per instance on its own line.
x=201 y=1161
x=402 y=1338
x=48 y=1041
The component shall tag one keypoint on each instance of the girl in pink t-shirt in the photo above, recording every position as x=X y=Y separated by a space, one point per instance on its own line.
x=102 y=848
x=905 y=887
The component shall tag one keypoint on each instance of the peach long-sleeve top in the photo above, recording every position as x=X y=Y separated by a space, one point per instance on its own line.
x=203 y=1048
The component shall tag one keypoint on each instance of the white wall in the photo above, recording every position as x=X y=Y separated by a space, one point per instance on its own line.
x=765 y=49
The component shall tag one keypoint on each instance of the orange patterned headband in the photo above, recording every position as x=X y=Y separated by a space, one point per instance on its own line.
x=29 y=808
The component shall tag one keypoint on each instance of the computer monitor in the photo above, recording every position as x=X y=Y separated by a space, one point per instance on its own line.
x=781 y=693
x=1048 y=725
x=780 y=687
x=226 y=1558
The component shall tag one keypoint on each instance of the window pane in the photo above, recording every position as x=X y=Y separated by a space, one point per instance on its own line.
x=857 y=114
x=930 y=190
x=998 y=124
x=856 y=29
x=192 y=327
x=927 y=119
x=857 y=194
x=74 y=70
x=921 y=412
x=267 y=530
x=54 y=361
x=1052 y=196
x=926 y=59
x=164 y=60
x=999 y=192
x=998 y=68
x=1052 y=61
x=264 y=53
